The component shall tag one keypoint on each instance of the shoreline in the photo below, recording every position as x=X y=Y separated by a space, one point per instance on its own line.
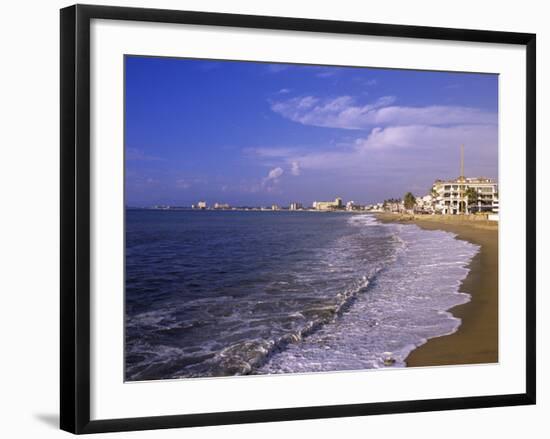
x=476 y=339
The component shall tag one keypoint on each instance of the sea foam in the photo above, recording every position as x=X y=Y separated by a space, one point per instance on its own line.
x=405 y=305
x=285 y=293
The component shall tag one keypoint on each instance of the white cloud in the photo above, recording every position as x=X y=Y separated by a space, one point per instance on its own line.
x=140 y=155
x=396 y=146
x=272 y=178
x=275 y=173
x=392 y=141
x=306 y=103
x=421 y=137
x=270 y=152
x=343 y=112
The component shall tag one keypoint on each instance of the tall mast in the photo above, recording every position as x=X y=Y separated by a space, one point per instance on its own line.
x=462 y=162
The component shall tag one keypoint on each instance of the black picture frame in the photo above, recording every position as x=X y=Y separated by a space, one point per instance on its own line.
x=75 y=217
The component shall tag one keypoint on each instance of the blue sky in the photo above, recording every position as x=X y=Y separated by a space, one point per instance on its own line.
x=250 y=133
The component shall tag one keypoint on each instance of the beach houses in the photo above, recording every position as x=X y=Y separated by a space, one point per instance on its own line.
x=424 y=204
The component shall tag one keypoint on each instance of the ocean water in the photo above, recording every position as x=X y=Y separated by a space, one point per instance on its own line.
x=216 y=293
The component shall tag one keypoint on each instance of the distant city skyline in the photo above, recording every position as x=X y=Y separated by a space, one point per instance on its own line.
x=250 y=133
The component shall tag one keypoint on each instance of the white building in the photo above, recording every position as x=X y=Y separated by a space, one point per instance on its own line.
x=378 y=207
x=295 y=206
x=393 y=205
x=351 y=206
x=424 y=204
x=221 y=206
x=202 y=205
x=328 y=205
x=465 y=195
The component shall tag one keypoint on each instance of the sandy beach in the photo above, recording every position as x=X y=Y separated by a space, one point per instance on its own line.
x=476 y=340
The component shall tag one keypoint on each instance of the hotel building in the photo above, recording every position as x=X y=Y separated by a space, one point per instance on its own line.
x=451 y=197
x=465 y=195
x=328 y=205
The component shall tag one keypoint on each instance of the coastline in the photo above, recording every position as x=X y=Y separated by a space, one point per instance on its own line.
x=476 y=340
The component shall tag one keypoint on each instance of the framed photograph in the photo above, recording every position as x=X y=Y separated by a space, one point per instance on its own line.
x=274 y=218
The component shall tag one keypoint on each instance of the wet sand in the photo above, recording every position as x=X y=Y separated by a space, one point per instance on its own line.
x=476 y=340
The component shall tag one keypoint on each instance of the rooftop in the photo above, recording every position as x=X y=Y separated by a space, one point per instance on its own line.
x=467 y=180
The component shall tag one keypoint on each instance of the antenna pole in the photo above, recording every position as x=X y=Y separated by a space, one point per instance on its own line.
x=462 y=162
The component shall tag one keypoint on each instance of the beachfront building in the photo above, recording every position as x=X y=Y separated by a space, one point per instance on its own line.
x=275 y=207
x=495 y=204
x=295 y=206
x=424 y=204
x=352 y=206
x=393 y=205
x=465 y=195
x=222 y=206
x=328 y=205
x=378 y=207
x=201 y=205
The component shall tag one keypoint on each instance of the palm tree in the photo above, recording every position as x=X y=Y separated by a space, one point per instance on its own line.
x=409 y=200
x=471 y=196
